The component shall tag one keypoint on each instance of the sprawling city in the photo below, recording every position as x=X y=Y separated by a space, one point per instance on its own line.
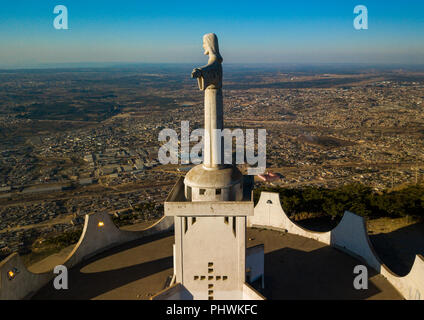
x=323 y=130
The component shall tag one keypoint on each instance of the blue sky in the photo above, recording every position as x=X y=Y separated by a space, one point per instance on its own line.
x=249 y=31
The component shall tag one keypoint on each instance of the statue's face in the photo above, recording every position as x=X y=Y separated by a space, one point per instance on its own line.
x=205 y=46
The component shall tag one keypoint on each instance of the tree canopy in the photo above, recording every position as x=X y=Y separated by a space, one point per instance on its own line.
x=356 y=198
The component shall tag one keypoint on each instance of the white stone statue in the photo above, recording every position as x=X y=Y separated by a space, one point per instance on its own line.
x=213 y=180
x=209 y=78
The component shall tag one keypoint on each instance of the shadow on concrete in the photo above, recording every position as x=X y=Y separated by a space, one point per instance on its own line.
x=307 y=272
x=324 y=273
x=85 y=286
x=398 y=249
x=318 y=224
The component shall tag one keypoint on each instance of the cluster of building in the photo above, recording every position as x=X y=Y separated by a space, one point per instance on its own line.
x=371 y=134
x=377 y=127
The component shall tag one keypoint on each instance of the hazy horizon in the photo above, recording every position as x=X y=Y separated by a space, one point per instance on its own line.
x=265 y=66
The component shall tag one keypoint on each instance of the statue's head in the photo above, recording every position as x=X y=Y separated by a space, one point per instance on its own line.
x=210 y=44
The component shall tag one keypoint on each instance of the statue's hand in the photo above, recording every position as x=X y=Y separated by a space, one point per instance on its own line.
x=196 y=73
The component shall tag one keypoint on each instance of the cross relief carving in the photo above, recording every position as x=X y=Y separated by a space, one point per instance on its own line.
x=211 y=279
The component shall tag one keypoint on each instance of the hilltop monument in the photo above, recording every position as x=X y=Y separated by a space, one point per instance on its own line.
x=209 y=79
x=212 y=180
x=210 y=206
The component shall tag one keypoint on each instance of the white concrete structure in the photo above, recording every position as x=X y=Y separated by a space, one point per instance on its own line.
x=350 y=236
x=98 y=235
x=210 y=208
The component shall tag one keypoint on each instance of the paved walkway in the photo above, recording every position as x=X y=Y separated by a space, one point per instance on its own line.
x=295 y=268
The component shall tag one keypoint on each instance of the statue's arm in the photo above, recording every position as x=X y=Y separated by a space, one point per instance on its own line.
x=207 y=75
x=203 y=71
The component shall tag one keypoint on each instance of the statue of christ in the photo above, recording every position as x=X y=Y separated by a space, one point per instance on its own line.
x=209 y=79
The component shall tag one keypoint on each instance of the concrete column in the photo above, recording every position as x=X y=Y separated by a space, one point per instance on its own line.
x=213 y=121
x=178 y=249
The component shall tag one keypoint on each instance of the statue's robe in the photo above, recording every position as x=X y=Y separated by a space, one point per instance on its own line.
x=211 y=76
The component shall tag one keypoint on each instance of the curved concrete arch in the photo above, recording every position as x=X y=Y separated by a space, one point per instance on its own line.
x=24 y=284
x=350 y=235
x=410 y=286
x=269 y=213
x=99 y=234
